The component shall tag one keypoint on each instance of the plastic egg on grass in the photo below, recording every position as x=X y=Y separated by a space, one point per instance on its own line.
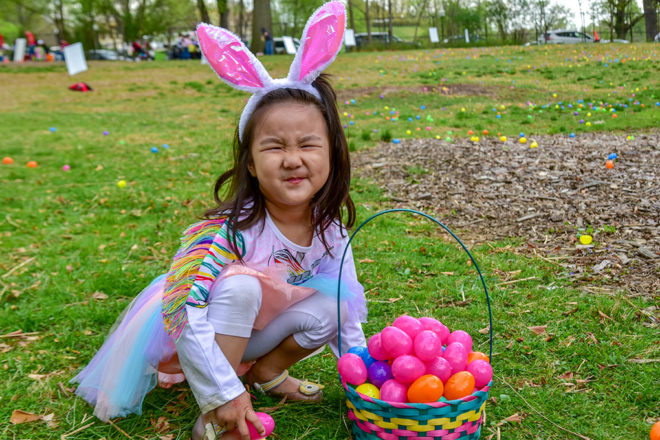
x=121 y=184
x=396 y=342
x=379 y=372
x=376 y=349
x=425 y=389
x=66 y=168
x=31 y=164
x=427 y=345
x=268 y=423
x=408 y=324
x=459 y=385
x=352 y=369
x=655 y=431
x=369 y=390
x=482 y=372
x=363 y=352
x=407 y=368
x=460 y=336
x=393 y=391
x=586 y=239
x=475 y=355
x=7 y=160
x=456 y=355
x=439 y=367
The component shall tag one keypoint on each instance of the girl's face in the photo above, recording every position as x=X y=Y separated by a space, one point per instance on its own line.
x=290 y=154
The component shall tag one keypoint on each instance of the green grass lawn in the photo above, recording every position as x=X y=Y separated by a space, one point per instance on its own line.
x=75 y=248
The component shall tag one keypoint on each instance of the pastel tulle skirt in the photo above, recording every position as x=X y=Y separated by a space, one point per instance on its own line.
x=125 y=369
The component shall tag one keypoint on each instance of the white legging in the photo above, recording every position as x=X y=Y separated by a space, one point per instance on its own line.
x=234 y=304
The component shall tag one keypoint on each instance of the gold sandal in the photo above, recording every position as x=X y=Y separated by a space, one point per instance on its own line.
x=309 y=391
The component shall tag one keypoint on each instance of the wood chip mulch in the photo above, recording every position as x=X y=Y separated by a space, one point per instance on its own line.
x=548 y=196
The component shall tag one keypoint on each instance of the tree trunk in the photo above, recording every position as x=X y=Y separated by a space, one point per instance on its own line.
x=223 y=13
x=203 y=12
x=367 y=19
x=651 y=18
x=260 y=19
x=351 y=21
x=241 y=19
x=389 y=20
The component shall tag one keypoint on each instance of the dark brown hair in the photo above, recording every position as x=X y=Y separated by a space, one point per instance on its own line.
x=243 y=203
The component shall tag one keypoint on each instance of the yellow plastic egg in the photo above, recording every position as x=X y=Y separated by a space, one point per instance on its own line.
x=121 y=184
x=586 y=239
x=369 y=390
x=523 y=140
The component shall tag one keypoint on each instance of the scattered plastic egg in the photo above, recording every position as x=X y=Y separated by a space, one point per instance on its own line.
x=7 y=160
x=66 y=168
x=31 y=164
x=121 y=184
x=609 y=164
x=586 y=239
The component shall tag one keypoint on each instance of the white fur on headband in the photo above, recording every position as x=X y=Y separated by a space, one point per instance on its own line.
x=238 y=67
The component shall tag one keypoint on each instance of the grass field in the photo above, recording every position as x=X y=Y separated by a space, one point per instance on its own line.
x=75 y=248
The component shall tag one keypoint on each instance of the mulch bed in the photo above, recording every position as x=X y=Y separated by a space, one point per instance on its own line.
x=547 y=196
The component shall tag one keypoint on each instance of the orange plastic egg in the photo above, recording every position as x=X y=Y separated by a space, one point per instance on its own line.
x=609 y=164
x=459 y=385
x=425 y=389
x=655 y=431
x=7 y=160
x=473 y=356
x=31 y=164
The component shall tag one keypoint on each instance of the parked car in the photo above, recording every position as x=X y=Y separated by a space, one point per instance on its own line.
x=564 y=37
x=380 y=38
x=102 y=54
x=278 y=43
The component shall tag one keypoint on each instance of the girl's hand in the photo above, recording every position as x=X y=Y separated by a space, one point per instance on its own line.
x=234 y=414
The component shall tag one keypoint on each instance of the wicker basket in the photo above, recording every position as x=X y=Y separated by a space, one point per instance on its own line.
x=375 y=419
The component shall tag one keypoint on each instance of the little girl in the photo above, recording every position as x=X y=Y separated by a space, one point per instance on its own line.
x=253 y=287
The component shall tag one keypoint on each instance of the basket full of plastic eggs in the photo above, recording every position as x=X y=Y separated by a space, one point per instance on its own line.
x=416 y=379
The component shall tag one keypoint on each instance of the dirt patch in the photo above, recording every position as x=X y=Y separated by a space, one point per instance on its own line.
x=548 y=196
x=448 y=89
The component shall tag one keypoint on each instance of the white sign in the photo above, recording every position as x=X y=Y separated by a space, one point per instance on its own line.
x=467 y=36
x=75 y=58
x=433 y=35
x=288 y=45
x=19 y=50
x=349 y=37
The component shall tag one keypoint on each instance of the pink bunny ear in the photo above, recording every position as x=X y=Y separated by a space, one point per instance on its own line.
x=231 y=60
x=321 y=41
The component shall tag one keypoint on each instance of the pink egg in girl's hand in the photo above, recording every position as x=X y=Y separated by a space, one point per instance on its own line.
x=482 y=372
x=456 y=355
x=460 y=336
x=440 y=367
x=396 y=342
x=427 y=345
x=267 y=421
x=376 y=350
x=408 y=324
x=407 y=368
x=352 y=369
x=393 y=391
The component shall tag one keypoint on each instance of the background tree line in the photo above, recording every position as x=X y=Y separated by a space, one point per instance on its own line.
x=497 y=20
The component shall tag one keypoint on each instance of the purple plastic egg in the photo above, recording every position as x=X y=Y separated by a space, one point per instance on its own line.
x=408 y=324
x=396 y=342
x=460 y=336
x=482 y=372
x=406 y=369
x=456 y=355
x=427 y=345
x=352 y=369
x=439 y=367
x=376 y=349
x=393 y=391
x=379 y=372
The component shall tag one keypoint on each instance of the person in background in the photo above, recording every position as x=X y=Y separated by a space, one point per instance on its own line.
x=268 y=38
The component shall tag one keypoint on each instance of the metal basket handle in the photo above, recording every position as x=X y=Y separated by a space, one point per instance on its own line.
x=341 y=267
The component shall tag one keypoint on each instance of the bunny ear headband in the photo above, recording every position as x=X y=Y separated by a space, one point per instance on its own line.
x=238 y=67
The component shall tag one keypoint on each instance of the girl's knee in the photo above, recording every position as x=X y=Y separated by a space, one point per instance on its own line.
x=239 y=292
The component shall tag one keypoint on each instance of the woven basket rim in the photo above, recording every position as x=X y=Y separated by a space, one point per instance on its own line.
x=440 y=404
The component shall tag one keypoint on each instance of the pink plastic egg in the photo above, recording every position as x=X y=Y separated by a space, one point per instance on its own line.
x=267 y=421
x=440 y=367
x=407 y=368
x=434 y=325
x=408 y=324
x=482 y=372
x=461 y=336
x=456 y=355
x=427 y=345
x=396 y=342
x=352 y=369
x=376 y=350
x=393 y=391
